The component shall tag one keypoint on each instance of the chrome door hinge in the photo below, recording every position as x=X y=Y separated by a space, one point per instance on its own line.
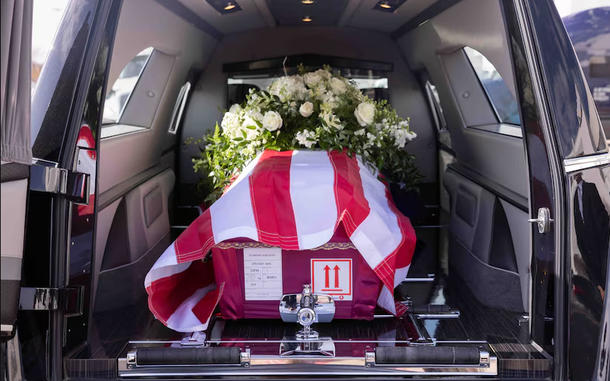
x=70 y=300
x=48 y=178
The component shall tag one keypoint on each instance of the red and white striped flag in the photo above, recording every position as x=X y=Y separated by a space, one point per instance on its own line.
x=294 y=200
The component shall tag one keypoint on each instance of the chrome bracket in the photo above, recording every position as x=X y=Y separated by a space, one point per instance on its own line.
x=543 y=221
x=195 y=339
x=245 y=358
x=46 y=177
x=69 y=299
x=306 y=309
x=323 y=347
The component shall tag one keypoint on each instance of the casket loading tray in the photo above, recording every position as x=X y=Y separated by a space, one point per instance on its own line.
x=386 y=346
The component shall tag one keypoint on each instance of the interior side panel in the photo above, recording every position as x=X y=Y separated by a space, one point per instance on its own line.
x=481 y=248
x=137 y=236
x=13 y=212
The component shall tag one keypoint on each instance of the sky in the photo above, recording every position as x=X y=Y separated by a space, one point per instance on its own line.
x=568 y=7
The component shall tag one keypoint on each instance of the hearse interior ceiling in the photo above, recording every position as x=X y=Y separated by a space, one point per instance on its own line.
x=211 y=92
x=351 y=13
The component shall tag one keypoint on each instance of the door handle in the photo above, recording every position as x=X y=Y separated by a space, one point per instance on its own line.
x=544 y=220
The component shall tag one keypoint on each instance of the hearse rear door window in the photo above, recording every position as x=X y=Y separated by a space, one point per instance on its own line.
x=131 y=104
x=500 y=97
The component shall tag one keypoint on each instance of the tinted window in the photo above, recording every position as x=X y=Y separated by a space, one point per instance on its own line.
x=46 y=16
x=500 y=97
x=123 y=86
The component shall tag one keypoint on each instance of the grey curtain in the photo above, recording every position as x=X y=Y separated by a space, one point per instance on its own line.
x=16 y=49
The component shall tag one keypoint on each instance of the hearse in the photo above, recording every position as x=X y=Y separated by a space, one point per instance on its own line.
x=509 y=277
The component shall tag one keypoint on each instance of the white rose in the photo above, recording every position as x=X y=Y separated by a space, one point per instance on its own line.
x=312 y=79
x=365 y=113
x=235 y=109
x=338 y=86
x=306 y=109
x=324 y=74
x=272 y=121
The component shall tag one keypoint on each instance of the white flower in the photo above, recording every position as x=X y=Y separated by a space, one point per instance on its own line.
x=272 y=121
x=331 y=120
x=360 y=132
x=338 y=86
x=235 y=109
x=251 y=128
x=230 y=124
x=365 y=113
x=401 y=135
x=312 y=79
x=324 y=74
x=288 y=88
x=306 y=138
x=306 y=109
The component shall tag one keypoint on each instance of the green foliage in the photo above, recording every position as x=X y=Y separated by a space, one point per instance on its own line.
x=316 y=110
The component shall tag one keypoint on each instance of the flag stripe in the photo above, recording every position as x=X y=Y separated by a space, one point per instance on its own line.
x=196 y=240
x=170 y=292
x=312 y=179
x=352 y=205
x=271 y=201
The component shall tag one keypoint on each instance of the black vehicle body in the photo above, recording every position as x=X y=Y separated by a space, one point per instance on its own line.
x=568 y=318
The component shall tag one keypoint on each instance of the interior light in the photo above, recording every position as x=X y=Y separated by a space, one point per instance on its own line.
x=307 y=19
x=307 y=2
x=384 y=4
x=229 y=6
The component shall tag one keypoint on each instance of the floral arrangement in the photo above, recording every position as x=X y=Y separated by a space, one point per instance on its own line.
x=315 y=110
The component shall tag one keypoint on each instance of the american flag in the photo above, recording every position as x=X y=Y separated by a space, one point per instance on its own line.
x=293 y=200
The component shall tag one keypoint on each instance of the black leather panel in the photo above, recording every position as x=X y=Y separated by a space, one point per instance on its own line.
x=9 y=301
x=117 y=250
x=14 y=172
x=502 y=252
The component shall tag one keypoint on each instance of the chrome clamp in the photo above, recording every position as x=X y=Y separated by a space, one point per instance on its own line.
x=307 y=308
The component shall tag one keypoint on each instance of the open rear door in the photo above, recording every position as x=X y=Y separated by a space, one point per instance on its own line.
x=16 y=150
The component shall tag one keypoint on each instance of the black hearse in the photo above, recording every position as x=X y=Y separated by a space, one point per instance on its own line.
x=510 y=273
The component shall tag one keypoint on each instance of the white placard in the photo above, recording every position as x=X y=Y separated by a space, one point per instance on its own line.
x=332 y=277
x=263 y=273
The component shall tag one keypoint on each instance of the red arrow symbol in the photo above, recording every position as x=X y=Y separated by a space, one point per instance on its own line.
x=327 y=278
x=336 y=268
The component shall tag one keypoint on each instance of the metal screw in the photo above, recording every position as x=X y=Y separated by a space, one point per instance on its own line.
x=151 y=94
x=465 y=94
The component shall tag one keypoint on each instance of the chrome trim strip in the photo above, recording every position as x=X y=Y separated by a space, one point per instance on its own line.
x=448 y=315
x=291 y=366
x=584 y=162
x=409 y=280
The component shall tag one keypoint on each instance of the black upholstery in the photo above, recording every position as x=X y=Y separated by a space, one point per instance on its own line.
x=502 y=253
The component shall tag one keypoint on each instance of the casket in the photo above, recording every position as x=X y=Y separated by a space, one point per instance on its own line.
x=256 y=276
x=290 y=218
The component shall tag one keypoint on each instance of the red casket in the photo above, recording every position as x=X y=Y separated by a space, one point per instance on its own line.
x=290 y=218
x=257 y=275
